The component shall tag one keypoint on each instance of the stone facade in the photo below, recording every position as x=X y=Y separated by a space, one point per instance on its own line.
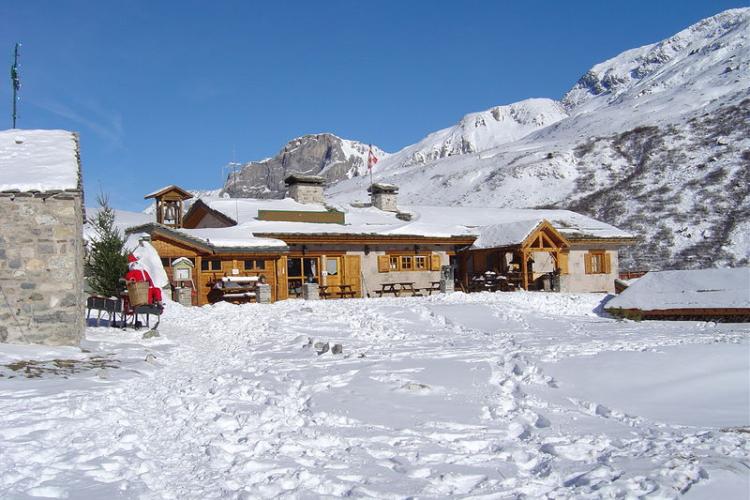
x=307 y=193
x=41 y=268
x=577 y=281
x=385 y=201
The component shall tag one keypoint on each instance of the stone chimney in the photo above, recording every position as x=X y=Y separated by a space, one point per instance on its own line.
x=384 y=196
x=305 y=188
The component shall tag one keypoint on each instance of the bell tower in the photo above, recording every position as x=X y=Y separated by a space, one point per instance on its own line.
x=169 y=205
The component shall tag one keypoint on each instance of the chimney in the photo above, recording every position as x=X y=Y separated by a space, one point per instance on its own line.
x=305 y=188
x=384 y=196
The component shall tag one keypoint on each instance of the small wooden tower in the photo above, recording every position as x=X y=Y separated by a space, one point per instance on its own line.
x=169 y=210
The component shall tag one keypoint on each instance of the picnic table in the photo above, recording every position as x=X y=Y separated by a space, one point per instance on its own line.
x=434 y=287
x=397 y=288
x=344 y=291
x=234 y=288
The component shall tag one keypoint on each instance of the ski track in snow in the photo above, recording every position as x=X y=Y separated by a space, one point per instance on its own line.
x=432 y=397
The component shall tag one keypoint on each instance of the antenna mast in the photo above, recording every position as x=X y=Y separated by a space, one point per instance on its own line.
x=15 y=81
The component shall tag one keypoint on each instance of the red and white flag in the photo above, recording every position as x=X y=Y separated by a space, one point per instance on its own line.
x=371 y=159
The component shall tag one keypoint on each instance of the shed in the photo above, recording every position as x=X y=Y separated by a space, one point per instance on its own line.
x=41 y=240
x=701 y=294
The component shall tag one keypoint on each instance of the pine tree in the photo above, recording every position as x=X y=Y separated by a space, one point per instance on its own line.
x=106 y=261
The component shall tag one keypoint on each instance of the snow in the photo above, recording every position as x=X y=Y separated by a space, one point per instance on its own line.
x=38 y=160
x=692 y=289
x=427 y=221
x=165 y=188
x=123 y=220
x=511 y=233
x=501 y=395
x=232 y=237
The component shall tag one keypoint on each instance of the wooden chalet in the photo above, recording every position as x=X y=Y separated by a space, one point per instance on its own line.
x=375 y=248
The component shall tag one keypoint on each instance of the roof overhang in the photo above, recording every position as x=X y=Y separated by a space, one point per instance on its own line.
x=153 y=228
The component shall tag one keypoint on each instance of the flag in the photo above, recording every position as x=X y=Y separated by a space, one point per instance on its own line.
x=371 y=159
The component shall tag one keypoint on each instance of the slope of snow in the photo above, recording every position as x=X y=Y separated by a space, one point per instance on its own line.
x=479 y=132
x=123 y=220
x=497 y=395
x=38 y=160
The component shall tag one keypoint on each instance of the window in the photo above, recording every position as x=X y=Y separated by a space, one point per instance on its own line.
x=301 y=270
x=332 y=266
x=597 y=262
x=393 y=263
x=255 y=264
x=210 y=265
x=166 y=261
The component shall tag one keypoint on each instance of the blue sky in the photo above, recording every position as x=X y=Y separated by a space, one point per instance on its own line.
x=169 y=92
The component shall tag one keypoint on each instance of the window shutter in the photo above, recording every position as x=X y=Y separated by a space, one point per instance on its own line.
x=435 y=262
x=607 y=263
x=587 y=263
x=383 y=263
x=563 y=263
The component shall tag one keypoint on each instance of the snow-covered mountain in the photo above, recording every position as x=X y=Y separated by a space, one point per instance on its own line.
x=655 y=140
x=326 y=155
x=481 y=131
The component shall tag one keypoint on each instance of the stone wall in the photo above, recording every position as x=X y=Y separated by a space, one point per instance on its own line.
x=385 y=201
x=307 y=193
x=41 y=268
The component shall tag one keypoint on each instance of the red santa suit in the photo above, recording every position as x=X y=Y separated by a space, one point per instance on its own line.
x=136 y=272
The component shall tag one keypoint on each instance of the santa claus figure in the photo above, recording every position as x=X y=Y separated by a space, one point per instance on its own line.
x=136 y=272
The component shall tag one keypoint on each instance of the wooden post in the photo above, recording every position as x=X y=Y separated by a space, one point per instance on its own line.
x=524 y=271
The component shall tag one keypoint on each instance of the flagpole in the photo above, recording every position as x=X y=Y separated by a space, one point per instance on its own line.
x=369 y=165
x=15 y=81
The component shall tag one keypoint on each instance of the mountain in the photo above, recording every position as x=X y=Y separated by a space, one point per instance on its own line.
x=481 y=131
x=655 y=140
x=326 y=155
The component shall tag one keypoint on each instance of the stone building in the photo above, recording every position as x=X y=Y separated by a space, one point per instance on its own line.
x=41 y=244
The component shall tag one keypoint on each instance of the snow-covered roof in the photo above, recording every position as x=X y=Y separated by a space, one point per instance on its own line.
x=493 y=226
x=696 y=289
x=186 y=195
x=217 y=239
x=231 y=237
x=504 y=234
x=38 y=160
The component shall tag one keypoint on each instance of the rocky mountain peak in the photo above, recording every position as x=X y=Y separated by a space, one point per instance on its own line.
x=324 y=154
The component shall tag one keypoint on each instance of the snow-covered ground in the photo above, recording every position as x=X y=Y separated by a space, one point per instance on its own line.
x=489 y=395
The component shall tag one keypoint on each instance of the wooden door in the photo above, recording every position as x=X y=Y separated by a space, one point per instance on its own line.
x=334 y=272
x=352 y=273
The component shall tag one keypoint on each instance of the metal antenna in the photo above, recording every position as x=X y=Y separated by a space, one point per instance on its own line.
x=15 y=81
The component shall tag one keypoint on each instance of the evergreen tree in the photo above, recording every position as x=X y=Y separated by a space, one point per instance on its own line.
x=106 y=261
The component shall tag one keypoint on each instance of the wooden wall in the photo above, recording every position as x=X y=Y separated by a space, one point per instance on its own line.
x=203 y=279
